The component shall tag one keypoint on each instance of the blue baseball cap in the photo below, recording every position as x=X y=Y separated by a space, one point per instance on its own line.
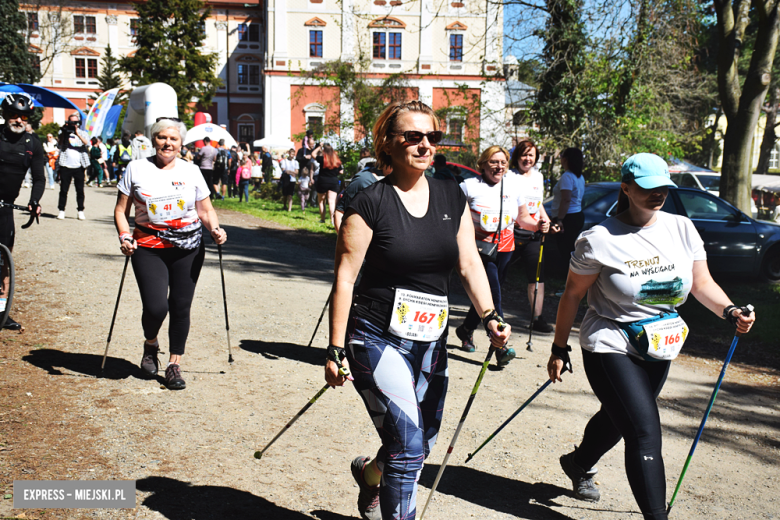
x=648 y=170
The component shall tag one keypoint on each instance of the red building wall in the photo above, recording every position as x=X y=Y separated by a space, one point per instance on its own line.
x=302 y=95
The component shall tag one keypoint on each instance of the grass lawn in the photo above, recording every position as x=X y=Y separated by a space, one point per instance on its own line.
x=272 y=211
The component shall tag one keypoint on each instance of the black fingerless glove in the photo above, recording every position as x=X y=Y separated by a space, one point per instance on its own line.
x=493 y=316
x=336 y=354
x=729 y=316
x=563 y=354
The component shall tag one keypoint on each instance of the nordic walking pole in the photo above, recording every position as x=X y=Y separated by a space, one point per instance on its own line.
x=224 y=300
x=320 y=320
x=460 y=425
x=746 y=311
x=490 y=438
x=113 y=319
x=342 y=370
x=536 y=290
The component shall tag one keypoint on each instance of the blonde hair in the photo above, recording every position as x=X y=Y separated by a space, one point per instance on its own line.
x=387 y=124
x=487 y=154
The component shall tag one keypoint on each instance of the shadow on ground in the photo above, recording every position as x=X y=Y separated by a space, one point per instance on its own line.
x=274 y=350
x=501 y=494
x=178 y=500
x=87 y=365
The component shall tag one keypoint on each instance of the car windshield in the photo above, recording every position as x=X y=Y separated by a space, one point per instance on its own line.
x=710 y=182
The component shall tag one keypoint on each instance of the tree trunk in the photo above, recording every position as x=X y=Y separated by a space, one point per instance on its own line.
x=768 y=142
x=713 y=141
x=735 y=179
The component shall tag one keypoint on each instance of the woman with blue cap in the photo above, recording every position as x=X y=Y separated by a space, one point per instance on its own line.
x=636 y=268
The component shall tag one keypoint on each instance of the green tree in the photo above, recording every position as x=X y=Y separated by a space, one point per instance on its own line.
x=17 y=63
x=367 y=98
x=109 y=77
x=169 y=39
x=742 y=96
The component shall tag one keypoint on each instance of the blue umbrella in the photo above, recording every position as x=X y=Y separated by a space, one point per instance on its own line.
x=14 y=89
x=49 y=98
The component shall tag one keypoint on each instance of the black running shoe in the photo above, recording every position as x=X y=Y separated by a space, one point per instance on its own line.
x=10 y=324
x=368 y=498
x=149 y=363
x=542 y=326
x=173 y=379
x=467 y=337
x=581 y=480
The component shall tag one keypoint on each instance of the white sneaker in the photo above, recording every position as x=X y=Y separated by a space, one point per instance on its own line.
x=53 y=186
x=81 y=216
x=61 y=215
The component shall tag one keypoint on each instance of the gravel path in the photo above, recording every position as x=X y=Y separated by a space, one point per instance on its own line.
x=191 y=451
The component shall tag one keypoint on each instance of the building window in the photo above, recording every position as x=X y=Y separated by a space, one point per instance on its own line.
x=774 y=158
x=246 y=133
x=32 y=22
x=394 y=46
x=36 y=62
x=248 y=74
x=379 y=46
x=248 y=32
x=315 y=44
x=387 y=46
x=134 y=23
x=84 y=24
x=455 y=129
x=456 y=47
x=86 y=67
x=316 y=124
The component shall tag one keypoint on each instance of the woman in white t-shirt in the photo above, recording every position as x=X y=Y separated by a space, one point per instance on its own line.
x=566 y=214
x=528 y=241
x=636 y=268
x=484 y=196
x=171 y=202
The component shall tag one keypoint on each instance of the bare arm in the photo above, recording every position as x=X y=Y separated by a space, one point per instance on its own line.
x=577 y=286
x=122 y=223
x=351 y=246
x=208 y=215
x=710 y=294
x=526 y=221
x=473 y=277
x=563 y=208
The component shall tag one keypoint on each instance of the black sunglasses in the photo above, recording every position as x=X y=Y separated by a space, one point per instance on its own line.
x=415 y=137
x=12 y=114
x=174 y=119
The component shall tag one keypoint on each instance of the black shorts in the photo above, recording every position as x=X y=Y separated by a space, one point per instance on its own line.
x=223 y=178
x=527 y=252
x=326 y=184
x=7 y=233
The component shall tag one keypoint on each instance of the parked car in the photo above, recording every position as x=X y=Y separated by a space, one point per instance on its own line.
x=735 y=243
x=704 y=180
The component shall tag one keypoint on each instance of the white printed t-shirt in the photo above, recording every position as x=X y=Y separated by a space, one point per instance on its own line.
x=163 y=199
x=532 y=188
x=576 y=185
x=643 y=271
x=484 y=203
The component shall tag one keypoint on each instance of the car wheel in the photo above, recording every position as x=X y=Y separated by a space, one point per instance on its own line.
x=770 y=268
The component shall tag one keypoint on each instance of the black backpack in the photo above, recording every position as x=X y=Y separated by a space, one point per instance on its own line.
x=220 y=163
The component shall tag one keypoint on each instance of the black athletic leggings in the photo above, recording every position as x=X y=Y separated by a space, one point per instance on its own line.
x=157 y=270
x=627 y=388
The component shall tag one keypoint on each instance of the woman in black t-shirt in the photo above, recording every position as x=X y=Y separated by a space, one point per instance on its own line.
x=412 y=231
x=328 y=180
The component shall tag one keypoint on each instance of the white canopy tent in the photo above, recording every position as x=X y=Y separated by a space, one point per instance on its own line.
x=212 y=131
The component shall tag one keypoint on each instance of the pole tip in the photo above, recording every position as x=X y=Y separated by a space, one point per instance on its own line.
x=468 y=458
x=258 y=455
x=230 y=358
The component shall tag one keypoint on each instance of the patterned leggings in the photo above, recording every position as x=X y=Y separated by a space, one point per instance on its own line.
x=403 y=384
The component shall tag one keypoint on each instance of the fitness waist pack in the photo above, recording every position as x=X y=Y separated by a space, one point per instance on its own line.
x=659 y=338
x=187 y=237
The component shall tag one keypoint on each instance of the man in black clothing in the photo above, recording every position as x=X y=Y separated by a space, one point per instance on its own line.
x=19 y=151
